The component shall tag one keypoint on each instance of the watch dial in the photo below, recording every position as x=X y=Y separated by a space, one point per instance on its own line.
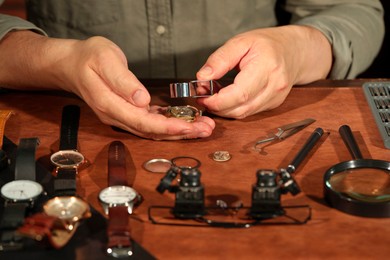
x=117 y=195
x=67 y=159
x=67 y=208
x=21 y=190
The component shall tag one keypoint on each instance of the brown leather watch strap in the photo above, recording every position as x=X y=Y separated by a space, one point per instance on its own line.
x=118 y=227
x=47 y=229
x=118 y=230
x=117 y=164
x=4 y=115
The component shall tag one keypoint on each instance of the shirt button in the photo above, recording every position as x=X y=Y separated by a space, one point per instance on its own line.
x=160 y=29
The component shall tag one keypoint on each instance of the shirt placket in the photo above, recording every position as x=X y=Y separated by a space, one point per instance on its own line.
x=160 y=38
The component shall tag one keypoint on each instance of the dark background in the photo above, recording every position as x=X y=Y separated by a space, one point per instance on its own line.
x=379 y=69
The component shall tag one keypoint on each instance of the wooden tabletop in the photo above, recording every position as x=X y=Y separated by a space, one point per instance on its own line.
x=329 y=234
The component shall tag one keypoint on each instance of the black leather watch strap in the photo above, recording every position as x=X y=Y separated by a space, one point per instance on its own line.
x=25 y=159
x=69 y=127
x=12 y=217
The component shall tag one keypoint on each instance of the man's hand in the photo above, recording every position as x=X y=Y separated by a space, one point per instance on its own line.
x=96 y=70
x=270 y=61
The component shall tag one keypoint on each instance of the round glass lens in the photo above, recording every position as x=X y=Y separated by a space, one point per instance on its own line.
x=364 y=184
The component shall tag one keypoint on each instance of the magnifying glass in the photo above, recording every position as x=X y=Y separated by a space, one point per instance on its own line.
x=360 y=186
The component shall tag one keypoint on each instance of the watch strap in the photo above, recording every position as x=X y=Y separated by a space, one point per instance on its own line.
x=47 y=229
x=12 y=217
x=118 y=231
x=117 y=174
x=69 y=127
x=25 y=166
x=4 y=116
x=65 y=182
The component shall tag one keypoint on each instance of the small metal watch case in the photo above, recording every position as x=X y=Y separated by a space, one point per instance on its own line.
x=194 y=88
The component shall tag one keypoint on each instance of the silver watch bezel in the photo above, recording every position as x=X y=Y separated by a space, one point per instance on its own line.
x=38 y=190
x=129 y=203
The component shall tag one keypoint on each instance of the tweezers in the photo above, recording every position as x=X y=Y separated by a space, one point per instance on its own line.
x=286 y=130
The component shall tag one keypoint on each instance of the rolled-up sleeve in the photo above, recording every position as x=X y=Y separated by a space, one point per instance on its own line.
x=9 y=23
x=355 y=29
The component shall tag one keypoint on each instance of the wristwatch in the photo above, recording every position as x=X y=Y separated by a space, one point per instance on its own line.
x=67 y=159
x=4 y=115
x=118 y=201
x=46 y=229
x=21 y=193
x=69 y=209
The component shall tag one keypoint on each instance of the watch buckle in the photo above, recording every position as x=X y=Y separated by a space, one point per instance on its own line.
x=120 y=252
x=10 y=245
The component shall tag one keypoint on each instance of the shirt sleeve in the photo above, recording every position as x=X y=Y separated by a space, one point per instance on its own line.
x=9 y=23
x=355 y=29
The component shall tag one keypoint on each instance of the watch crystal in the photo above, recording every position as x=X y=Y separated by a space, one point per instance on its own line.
x=67 y=159
x=117 y=195
x=21 y=190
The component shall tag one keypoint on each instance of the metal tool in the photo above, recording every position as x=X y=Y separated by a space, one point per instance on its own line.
x=194 y=88
x=286 y=130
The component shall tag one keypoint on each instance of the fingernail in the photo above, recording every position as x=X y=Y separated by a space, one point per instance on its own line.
x=206 y=70
x=186 y=132
x=140 y=98
x=204 y=134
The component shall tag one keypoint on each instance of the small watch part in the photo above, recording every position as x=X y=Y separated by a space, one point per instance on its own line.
x=187 y=113
x=185 y=162
x=221 y=156
x=157 y=165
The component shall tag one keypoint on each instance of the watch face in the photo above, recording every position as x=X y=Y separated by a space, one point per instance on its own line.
x=67 y=159
x=21 y=190
x=68 y=208
x=117 y=195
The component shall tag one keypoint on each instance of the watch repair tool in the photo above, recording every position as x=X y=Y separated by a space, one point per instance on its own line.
x=189 y=193
x=285 y=131
x=378 y=98
x=360 y=186
x=271 y=184
x=194 y=88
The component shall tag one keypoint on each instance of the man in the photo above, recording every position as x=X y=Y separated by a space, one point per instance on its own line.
x=99 y=49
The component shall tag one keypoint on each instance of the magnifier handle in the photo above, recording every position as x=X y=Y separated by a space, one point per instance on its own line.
x=350 y=142
x=315 y=136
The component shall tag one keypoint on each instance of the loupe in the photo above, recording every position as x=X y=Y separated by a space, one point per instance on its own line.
x=360 y=186
x=194 y=88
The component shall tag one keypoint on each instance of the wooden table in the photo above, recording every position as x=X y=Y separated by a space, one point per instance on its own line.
x=329 y=234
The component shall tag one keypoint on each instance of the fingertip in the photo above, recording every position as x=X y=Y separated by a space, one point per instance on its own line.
x=141 y=98
x=206 y=72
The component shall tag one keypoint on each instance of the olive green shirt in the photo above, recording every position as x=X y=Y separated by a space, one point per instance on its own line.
x=173 y=38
